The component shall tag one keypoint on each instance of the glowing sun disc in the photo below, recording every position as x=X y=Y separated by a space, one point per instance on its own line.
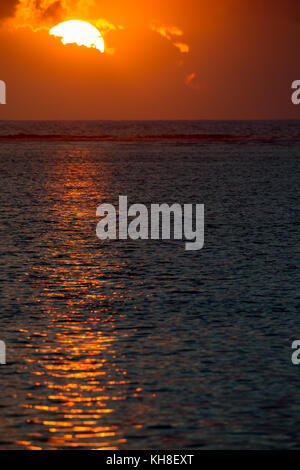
x=80 y=33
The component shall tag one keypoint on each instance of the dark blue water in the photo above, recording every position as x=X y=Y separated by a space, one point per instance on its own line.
x=141 y=344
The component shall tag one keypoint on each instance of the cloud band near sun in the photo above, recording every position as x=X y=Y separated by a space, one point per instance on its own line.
x=172 y=33
x=44 y=14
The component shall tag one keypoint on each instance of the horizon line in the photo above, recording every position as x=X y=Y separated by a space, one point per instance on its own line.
x=153 y=120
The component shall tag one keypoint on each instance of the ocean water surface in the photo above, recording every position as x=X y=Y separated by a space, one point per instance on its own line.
x=141 y=344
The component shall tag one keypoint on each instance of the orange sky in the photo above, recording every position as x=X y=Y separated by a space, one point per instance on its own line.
x=179 y=59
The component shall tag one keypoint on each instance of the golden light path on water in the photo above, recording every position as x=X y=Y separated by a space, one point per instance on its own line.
x=76 y=377
x=78 y=401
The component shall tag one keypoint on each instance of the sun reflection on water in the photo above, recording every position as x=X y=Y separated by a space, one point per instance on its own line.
x=75 y=376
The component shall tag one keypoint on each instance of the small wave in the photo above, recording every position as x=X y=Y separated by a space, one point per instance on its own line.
x=149 y=138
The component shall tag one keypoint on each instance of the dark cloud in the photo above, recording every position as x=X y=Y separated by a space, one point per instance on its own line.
x=7 y=7
x=53 y=11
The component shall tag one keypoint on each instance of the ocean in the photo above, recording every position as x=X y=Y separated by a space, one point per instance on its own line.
x=123 y=344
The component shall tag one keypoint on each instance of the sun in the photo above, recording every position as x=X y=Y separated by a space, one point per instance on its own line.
x=80 y=33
